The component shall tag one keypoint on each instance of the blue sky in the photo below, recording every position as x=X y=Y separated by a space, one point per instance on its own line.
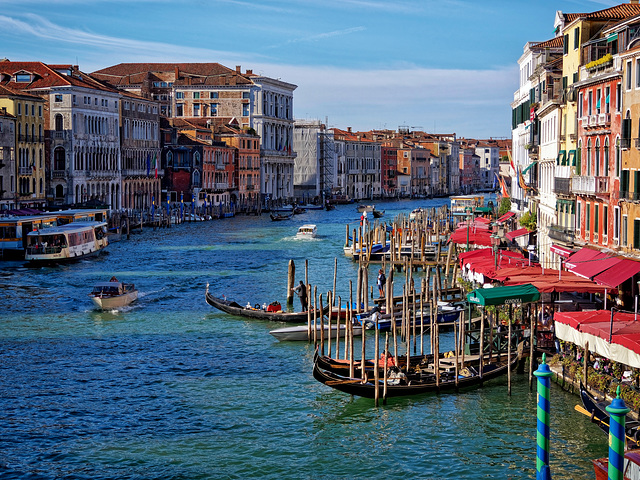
x=444 y=66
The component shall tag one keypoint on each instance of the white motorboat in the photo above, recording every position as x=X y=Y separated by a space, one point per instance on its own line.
x=72 y=241
x=307 y=231
x=113 y=294
x=301 y=333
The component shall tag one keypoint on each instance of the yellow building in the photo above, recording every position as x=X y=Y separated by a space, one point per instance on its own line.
x=29 y=111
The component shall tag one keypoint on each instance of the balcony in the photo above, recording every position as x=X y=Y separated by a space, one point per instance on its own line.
x=57 y=173
x=562 y=186
x=630 y=196
x=602 y=186
x=582 y=185
x=604 y=119
x=561 y=234
x=25 y=171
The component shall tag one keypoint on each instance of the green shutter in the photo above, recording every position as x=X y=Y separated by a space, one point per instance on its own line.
x=596 y=215
x=565 y=49
x=626 y=128
x=587 y=224
x=564 y=82
x=578 y=161
x=624 y=182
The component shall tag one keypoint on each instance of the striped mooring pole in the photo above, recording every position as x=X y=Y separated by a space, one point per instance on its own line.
x=543 y=373
x=617 y=413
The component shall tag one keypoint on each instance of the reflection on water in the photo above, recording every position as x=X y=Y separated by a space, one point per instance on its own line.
x=172 y=388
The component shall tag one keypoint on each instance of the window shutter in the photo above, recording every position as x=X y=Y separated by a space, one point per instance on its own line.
x=596 y=215
x=576 y=38
x=566 y=44
x=626 y=128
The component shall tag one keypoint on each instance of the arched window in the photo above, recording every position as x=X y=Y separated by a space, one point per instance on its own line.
x=169 y=159
x=589 y=157
x=597 y=159
x=59 y=123
x=606 y=157
x=58 y=159
x=196 y=159
x=59 y=191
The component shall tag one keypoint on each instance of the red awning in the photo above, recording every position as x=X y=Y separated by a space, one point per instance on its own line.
x=506 y=216
x=618 y=273
x=562 y=251
x=517 y=233
x=591 y=268
x=582 y=255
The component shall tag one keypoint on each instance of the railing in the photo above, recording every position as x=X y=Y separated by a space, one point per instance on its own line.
x=25 y=171
x=584 y=185
x=602 y=186
x=631 y=196
x=58 y=134
x=41 y=250
x=604 y=118
x=57 y=173
x=250 y=187
x=625 y=142
x=562 y=185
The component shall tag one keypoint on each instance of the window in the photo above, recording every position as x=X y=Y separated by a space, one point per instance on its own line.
x=605 y=220
x=606 y=157
x=580 y=104
x=179 y=109
x=196 y=94
x=587 y=221
x=607 y=105
x=33 y=110
x=578 y=211
x=566 y=44
x=618 y=97
x=179 y=95
x=623 y=234
x=95 y=101
x=617 y=173
x=598 y=104
x=636 y=234
x=245 y=110
x=214 y=94
x=245 y=95
x=23 y=78
x=590 y=103
x=629 y=72
x=196 y=110
x=576 y=38
x=19 y=108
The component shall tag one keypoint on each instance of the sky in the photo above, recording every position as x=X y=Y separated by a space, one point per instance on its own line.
x=440 y=66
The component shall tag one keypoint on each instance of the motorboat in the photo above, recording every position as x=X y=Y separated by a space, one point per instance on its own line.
x=307 y=231
x=113 y=294
x=68 y=242
x=366 y=208
x=416 y=213
x=301 y=332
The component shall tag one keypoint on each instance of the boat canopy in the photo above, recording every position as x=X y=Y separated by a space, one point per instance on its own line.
x=502 y=295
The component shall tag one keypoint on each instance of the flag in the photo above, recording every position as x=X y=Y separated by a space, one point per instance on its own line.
x=155 y=162
x=148 y=164
x=503 y=187
x=511 y=162
x=521 y=180
x=495 y=180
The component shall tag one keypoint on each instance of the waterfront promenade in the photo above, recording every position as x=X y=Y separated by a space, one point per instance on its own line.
x=171 y=388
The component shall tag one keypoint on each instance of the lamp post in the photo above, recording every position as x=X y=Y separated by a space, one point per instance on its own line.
x=495 y=243
x=468 y=210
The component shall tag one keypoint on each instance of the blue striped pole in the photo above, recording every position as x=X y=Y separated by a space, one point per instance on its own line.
x=617 y=413
x=542 y=455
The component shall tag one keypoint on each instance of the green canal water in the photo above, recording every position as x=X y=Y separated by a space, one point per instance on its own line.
x=170 y=388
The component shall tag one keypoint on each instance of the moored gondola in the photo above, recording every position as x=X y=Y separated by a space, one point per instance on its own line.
x=419 y=380
x=258 y=312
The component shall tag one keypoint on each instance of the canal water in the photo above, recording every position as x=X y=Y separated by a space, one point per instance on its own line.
x=170 y=388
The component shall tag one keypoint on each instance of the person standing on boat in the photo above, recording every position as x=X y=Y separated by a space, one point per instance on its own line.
x=382 y=280
x=301 y=291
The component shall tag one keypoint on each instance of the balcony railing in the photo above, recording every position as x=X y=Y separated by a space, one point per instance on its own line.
x=631 y=196
x=584 y=185
x=58 y=173
x=602 y=186
x=562 y=185
x=25 y=171
x=561 y=234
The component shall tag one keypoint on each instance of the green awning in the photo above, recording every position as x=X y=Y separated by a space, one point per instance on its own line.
x=561 y=157
x=612 y=37
x=502 y=295
x=530 y=165
x=572 y=157
x=483 y=209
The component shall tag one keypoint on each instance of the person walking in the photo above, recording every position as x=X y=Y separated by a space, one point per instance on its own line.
x=301 y=291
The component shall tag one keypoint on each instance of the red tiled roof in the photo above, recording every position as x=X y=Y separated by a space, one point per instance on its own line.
x=555 y=42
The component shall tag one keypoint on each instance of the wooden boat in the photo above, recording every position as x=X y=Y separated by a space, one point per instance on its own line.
x=366 y=208
x=301 y=333
x=417 y=381
x=377 y=213
x=298 y=210
x=257 y=312
x=330 y=206
x=596 y=408
x=72 y=241
x=307 y=231
x=447 y=316
x=113 y=294
x=278 y=217
x=631 y=469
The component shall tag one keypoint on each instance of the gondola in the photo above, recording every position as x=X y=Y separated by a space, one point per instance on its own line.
x=279 y=217
x=256 y=312
x=418 y=381
x=377 y=213
x=596 y=407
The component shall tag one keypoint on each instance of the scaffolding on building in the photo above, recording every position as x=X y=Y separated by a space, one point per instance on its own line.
x=326 y=156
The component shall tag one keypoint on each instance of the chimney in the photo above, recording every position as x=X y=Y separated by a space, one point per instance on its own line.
x=249 y=72
x=349 y=129
x=177 y=73
x=634 y=1
x=238 y=69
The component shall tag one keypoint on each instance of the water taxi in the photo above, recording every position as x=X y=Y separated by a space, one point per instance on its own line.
x=113 y=294
x=72 y=241
x=307 y=231
x=14 y=230
x=466 y=204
